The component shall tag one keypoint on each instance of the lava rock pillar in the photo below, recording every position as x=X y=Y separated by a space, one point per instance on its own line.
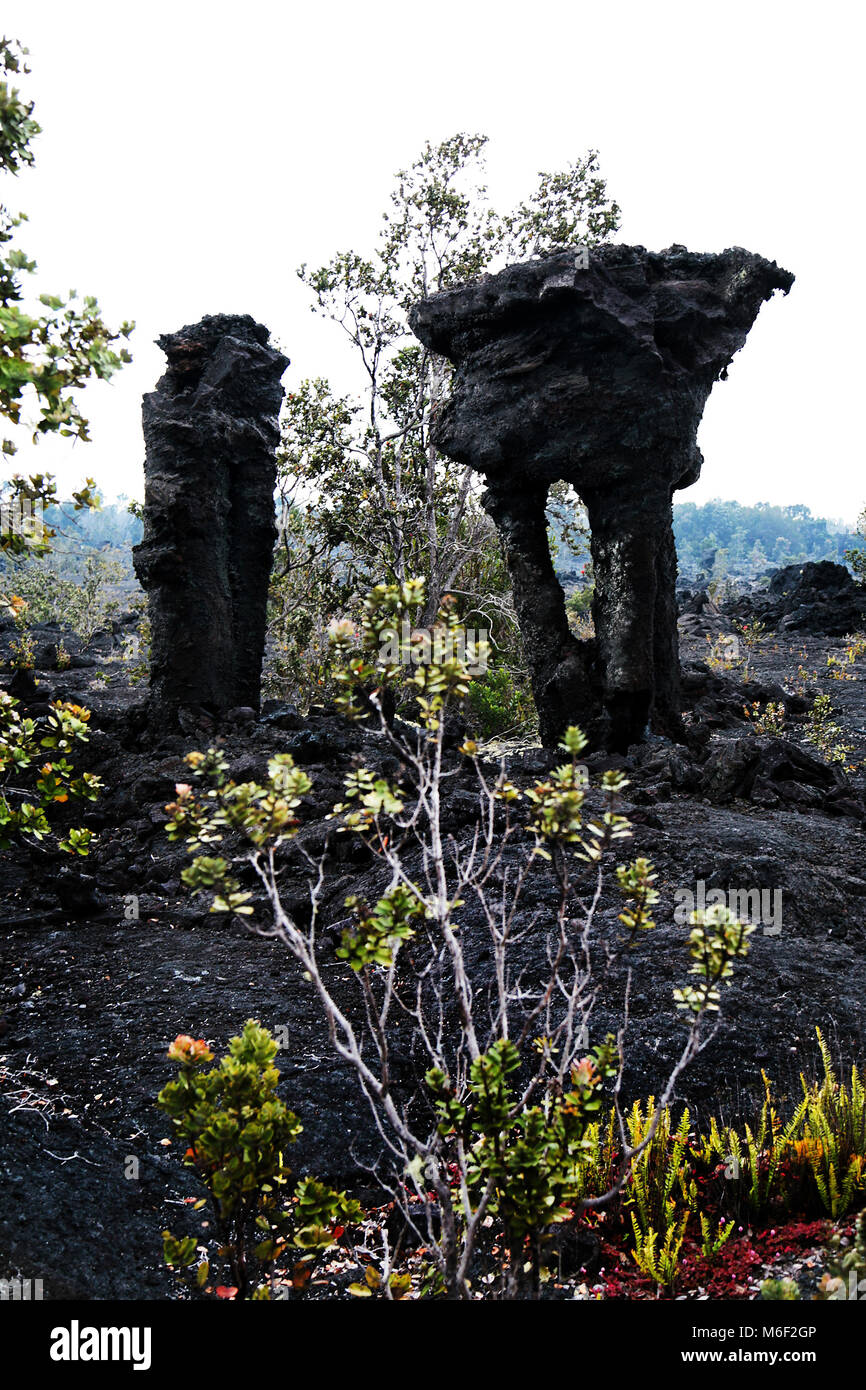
x=594 y=369
x=560 y=667
x=635 y=612
x=210 y=431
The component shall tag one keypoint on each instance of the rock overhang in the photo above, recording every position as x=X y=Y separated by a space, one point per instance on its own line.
x=549 y=356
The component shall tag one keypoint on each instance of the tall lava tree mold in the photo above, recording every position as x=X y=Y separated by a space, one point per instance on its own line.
x=594 y=370
x=210 y=431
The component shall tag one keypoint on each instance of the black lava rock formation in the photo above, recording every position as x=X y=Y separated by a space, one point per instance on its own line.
x=597 y=376
x=210 y=431
x=819 y=597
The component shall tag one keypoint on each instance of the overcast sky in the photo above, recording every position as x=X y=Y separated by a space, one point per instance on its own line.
x=194 y=153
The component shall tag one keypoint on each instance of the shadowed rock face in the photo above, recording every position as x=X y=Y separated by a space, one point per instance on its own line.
x=597 y=376
x=210 y=431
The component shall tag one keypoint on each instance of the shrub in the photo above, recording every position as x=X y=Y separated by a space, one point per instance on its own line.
x=846 y=1277
x=85 y=607
x=499 y=703
x=766 y=719
x=780 y=1290
x=824 y=734
x=499 y=1128
x=52 y=780
x=236 y=1130
x=753 y=633
x=857 y=558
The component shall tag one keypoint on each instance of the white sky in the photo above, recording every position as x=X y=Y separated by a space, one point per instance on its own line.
x=195 y=152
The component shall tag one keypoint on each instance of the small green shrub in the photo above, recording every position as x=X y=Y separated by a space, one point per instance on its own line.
x=24 y=810
x=824 y=734
x=766 y=719
x=753 y=633
x=857 y=558
x=579 y=603
x=499 y=702
x=780 y=1290
x=236 y=1130
x=48 y=596
x=846 y=1277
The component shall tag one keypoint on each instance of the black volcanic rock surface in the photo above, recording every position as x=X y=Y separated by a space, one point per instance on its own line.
x=817 y=597
x=90 y=999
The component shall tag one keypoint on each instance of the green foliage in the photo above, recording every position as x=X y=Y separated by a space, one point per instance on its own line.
x=24 y=809
x=379 y=660
x=86 y=605
x=838 y=668
x=755 y=1160
x=714 y=1238
x=380 y=930
x=579 y=603
x=661 y=1186
x=236 y=1130
x=568 y=208
x=834 y=1127
x=816 y=1160
x=824 y=733
x=846 y=1277
x=514 y=1124
x=658 y=1256
x=22 y=651
x=55 y=348
x=662 y=1193
x=779 y=1290
x=365 y=496
x=395 y=1286
x=50 y=345
x=500 y=703
x=766 y=719
x=717 y=939
x=265 y=814
x=525 y=1159
x=856 y=557
x=753 y=633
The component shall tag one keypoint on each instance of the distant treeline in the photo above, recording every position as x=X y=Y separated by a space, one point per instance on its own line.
x=85 y=543
x=746 y=540
x=112 y=527
x=749 y=540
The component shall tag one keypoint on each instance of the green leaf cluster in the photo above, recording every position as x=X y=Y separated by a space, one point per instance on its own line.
x=236 y=1130
x=24 y=809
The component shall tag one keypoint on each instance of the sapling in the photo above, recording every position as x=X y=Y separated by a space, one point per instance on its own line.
x=484 y=1154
